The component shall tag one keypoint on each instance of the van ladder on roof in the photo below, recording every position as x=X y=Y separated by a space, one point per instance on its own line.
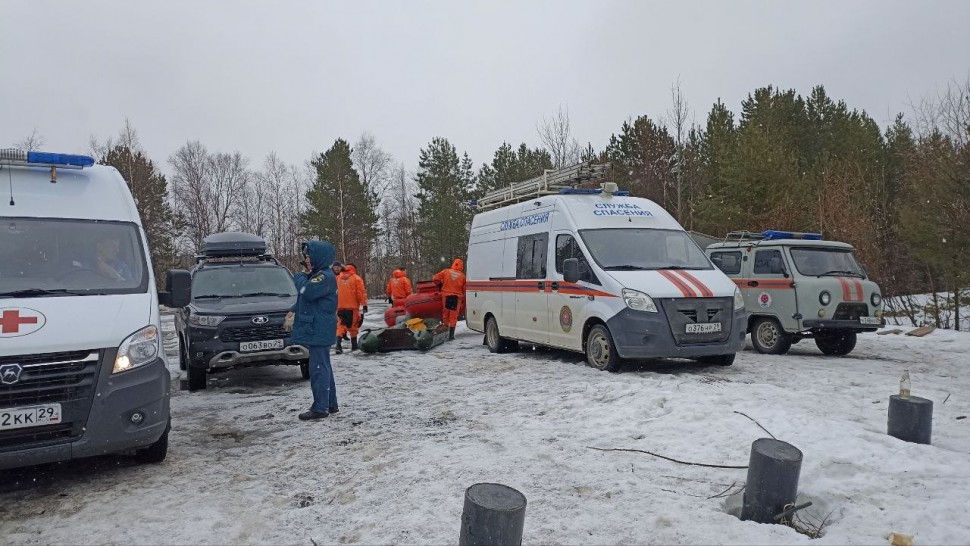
x=549 y=183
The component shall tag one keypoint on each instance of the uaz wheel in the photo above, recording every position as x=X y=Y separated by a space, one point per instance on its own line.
x=836 y=343
x=768 y=337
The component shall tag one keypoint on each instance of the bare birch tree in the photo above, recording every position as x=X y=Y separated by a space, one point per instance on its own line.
x=678 y=123
x=556 y=136
x=32 y=142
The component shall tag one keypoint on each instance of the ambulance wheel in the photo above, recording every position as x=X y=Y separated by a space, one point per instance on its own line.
x=156 y=452
x=836 y=343
x=601 y=351
x=197 y=378
x=768 y=337
x=717 y=360
x=305 y=369
x=495 y=342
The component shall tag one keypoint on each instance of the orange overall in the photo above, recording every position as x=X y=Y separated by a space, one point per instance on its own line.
x=351 y=296
x=452 y=291
x=399 y=287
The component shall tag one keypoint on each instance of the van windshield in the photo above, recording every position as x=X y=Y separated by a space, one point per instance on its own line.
x=44 y=257
x=240 y=281
x=632 y=249
x=820 y=262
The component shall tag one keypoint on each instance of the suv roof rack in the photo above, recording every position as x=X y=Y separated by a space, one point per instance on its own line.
x=549 y=183
x=771 y=235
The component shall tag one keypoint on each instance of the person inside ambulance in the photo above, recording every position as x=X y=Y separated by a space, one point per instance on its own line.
x=399 y=287
x=351 y=297
x=106 y=262
x=452 y=282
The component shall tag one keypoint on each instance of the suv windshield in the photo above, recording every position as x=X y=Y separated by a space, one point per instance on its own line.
x=41 y=257
x=240 y=281
x=634 y=249
x=817 y=262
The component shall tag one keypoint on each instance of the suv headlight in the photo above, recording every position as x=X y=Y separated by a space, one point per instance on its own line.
x=638 y=301
x=738 y=299
x=875 y=299
x=206 y=320
x=137 y=350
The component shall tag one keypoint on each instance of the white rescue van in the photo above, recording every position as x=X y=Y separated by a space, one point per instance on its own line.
x=599 y=272
x=82 y=371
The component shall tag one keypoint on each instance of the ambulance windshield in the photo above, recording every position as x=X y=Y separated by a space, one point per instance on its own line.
x=56 y=257
x=634 y=249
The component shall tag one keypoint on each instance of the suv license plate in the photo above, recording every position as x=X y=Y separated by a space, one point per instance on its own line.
x=48 y=414
x=250 y=346
x=870 y=320
x=704 y=328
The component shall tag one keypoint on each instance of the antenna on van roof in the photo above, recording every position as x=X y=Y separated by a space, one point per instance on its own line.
x=549 y=183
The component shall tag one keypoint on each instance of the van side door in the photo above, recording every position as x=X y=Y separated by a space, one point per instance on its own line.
x=567 y=309
x=531 y=288
x=768 y=289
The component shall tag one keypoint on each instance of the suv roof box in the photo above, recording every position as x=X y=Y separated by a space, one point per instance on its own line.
x=233 y=243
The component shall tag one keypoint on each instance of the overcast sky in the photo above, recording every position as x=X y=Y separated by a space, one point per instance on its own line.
x=290 y=77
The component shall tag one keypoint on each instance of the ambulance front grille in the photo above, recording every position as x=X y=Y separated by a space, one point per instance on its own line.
x=683 y=311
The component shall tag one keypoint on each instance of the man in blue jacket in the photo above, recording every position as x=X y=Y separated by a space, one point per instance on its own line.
x=315 y=324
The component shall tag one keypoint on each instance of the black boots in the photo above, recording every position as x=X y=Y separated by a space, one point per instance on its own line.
x=339 y=349
x=353 y=344
x=451 y=334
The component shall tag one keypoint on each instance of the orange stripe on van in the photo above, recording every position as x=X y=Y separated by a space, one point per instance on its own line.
x=858 y=287
x=846 y=290
x=680 y=284
x=769 y=284
x=705 y=291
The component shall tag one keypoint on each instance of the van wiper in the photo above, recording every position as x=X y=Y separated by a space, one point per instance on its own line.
x=208 y=297
x=254 y=294
x=36 y=292
x=626 y=267
x=848 y=273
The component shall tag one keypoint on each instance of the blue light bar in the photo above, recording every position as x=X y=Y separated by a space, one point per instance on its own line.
x=772 y=234
x=69 y=160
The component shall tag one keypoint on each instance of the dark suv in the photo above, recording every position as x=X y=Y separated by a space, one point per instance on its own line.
x=240 y=298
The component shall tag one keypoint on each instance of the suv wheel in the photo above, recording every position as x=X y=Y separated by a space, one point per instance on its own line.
x=836 y=343
x=305 y=369
x=496 y=343
x=156 y=452
x=197 y=378
x=183 y=355
x=600 y=350
x=768 y=337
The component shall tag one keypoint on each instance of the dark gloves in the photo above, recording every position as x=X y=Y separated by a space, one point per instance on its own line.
x=365 y=309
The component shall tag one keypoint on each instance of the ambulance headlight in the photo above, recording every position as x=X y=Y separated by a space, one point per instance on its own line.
x=875 y=299
x=139 y=349
x=825 y=298
x=206 y=320
x=738 y=300
x=638 y=301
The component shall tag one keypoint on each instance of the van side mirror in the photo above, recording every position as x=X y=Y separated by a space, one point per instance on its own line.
x=570 y=269
x=179 y=285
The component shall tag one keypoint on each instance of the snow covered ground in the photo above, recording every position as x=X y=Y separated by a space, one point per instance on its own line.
x=923 y=306
x=415 y=430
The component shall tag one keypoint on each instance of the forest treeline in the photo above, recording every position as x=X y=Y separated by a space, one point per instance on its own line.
x=900 y=194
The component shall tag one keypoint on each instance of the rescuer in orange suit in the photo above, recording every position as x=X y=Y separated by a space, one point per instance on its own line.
x=452 y=282
x=399 y=287
x=351 y=296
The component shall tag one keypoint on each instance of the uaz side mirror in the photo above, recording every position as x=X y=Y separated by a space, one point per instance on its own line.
x=179 y=285
x=570 y=269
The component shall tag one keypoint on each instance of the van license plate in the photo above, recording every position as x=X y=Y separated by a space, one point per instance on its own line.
x=704 y=328
x=34 y=416
x=870 y=320
x=250 y=346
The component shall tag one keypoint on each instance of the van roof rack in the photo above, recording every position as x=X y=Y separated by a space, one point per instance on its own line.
x=771 y=235
x=551 y=182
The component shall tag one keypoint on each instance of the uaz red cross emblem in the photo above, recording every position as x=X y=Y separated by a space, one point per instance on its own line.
x=21 y=321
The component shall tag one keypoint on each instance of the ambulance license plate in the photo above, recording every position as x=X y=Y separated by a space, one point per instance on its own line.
x=33 y=416
x=870 y=320
x=250 y=346
x=704 y=328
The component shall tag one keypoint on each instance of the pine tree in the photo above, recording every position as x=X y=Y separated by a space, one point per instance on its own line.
x=509 y=166
x=339 y=207
x=643 y=156
x=445 y=184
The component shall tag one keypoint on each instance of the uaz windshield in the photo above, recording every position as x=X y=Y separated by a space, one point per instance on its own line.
x=55 y=257
x=826 y=261
x=242 y=281
x=643 y=249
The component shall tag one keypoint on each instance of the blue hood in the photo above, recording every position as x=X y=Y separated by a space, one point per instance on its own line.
x=321 y=254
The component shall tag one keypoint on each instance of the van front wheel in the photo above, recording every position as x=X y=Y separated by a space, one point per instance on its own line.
x=496 y=343
x=197 y=378
x=601 y=351
x=156 y=452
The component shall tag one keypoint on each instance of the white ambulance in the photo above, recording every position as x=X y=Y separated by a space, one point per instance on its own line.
x=596 y=271
x=81 y=365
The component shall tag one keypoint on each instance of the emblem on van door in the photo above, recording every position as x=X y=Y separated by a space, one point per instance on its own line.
x=20 y=321
x=260 y=320
x=10 y=373
x=764 y=300
x=566 y=318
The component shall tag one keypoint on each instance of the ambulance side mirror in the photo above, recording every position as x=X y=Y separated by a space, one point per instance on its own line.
x=179 y=285
x=570 y=269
